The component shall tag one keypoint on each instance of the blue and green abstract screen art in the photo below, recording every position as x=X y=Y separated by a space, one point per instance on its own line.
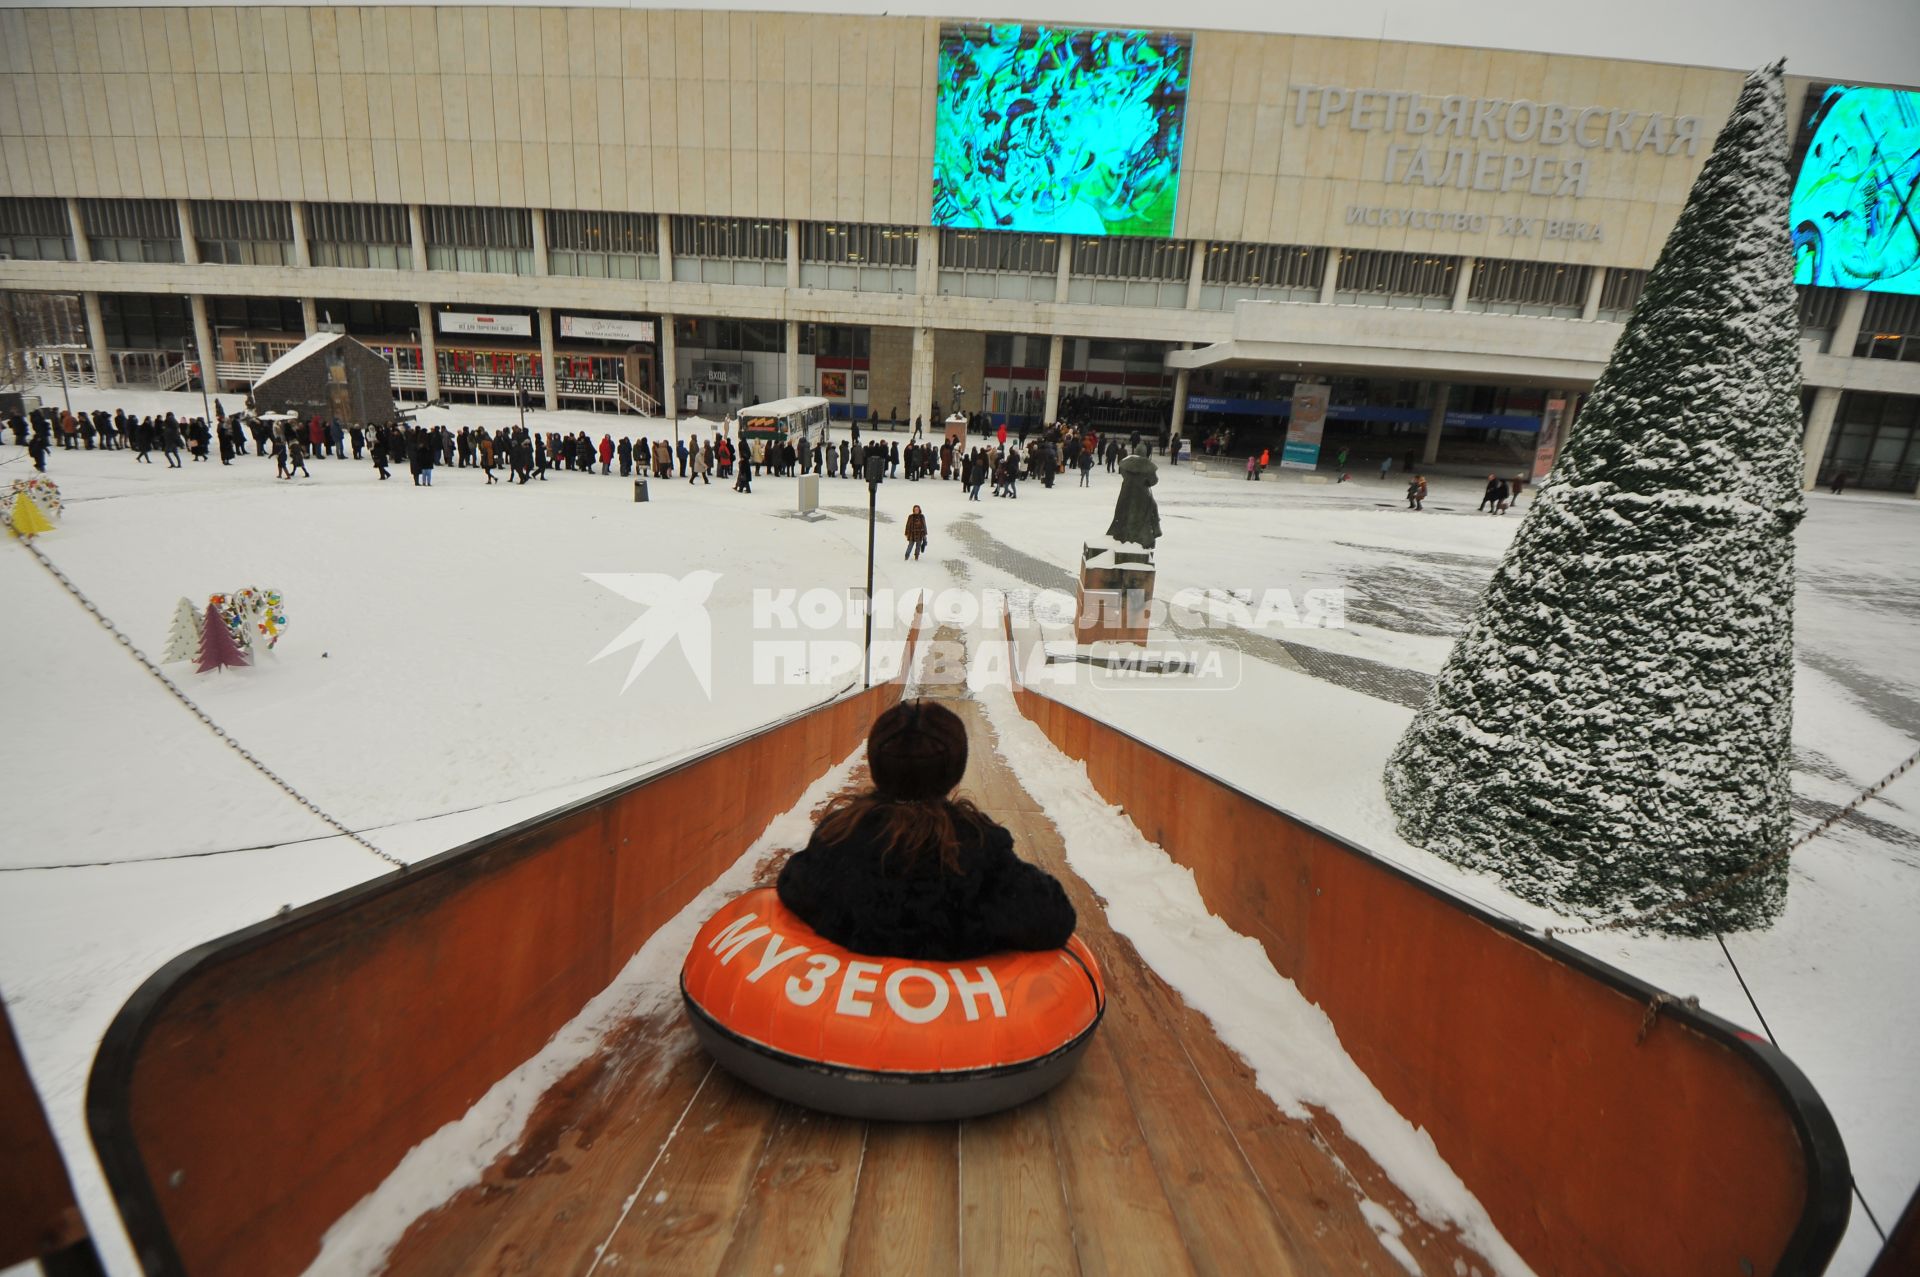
x=1062 y=131
x=1855 y=220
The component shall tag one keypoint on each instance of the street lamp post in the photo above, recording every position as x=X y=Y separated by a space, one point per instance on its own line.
x=876 y=471
x=187 y=359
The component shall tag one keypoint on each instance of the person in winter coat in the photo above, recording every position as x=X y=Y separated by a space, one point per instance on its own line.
x=905 y=870
x=625 y=453
x=1417 y=492
x=1499 y=496
x=1253 y=467
x=916 y=534
x=170 y=441
x=379 y=452
x=606 y=454
x=1489 y=497
x=743 y=481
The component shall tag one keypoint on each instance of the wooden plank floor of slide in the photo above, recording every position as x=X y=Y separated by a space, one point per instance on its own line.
x=1159 y=1156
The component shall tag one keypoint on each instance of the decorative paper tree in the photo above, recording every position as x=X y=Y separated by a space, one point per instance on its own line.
x=27 y=519
x=183 y=640
x=1611 y=733
x=217 y=648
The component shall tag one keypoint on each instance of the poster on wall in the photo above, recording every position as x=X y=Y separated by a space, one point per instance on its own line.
x=833 y=385
x=460 y=321
x=1547 y=445
x=1854 y=215
x=602 y=329
x=1302 y=449
x=1059 y=130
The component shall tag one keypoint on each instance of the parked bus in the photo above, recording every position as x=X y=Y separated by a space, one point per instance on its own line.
x=784 y=418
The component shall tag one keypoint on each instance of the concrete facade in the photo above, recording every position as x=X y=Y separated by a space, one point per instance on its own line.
x=808 y=118
x=789 y=116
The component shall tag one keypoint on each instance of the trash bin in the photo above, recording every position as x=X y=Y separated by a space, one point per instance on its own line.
x=640 y=490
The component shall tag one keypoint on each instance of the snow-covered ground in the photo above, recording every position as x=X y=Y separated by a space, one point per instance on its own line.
x=437 y=681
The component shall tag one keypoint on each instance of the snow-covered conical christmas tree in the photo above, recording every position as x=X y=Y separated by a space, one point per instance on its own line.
x=217 y=648
x=183 y=638
x=1611 y=734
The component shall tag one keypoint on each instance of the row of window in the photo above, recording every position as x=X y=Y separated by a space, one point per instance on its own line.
x=1875 y=441
x=36 y=230
x=848 y=256
x=768 y=337
x=1890 y=328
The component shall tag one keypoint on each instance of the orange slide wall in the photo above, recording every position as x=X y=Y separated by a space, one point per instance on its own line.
x=1694 y=1150
x=256 y=1088
x=38 y=1217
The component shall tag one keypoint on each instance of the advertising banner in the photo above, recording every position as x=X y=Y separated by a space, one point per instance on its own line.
x=1302 y=450
x=1548 y=444
x=1059 y=129
x=458 y=321
x=600 y=329
x=1855 y=198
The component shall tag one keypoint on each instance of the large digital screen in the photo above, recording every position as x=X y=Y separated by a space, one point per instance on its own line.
x=1856 y=223
x=1059 y=130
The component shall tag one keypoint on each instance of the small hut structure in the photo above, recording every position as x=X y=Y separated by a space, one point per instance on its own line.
x=329 y=375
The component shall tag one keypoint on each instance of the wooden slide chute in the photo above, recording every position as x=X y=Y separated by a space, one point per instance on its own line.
x=258 y=1087
x=39 y=1220
x=255 y=1088
x=1606 y=1127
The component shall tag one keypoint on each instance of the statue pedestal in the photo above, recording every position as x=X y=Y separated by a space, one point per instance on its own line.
x=1116 y=591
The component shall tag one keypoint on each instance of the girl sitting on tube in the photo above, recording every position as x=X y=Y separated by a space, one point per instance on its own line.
x=905 y=870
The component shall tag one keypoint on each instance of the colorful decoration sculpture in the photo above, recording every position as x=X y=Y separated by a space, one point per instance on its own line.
x=183 y=638
x=26 y=520
x=42 y=491
x=249 y=612
x=217 y=647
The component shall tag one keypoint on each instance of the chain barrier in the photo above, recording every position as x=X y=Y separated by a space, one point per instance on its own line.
x=1727 y=884
x=174 y=689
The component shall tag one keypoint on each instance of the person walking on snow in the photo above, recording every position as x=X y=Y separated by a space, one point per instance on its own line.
x=916 y=534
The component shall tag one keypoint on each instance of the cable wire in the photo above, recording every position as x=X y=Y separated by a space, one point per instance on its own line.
x=173 y=689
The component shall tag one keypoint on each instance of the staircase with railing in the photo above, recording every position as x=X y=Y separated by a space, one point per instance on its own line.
x=633 y=399
x=173 y=377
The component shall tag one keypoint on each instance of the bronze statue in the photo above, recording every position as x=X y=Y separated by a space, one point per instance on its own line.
x=1136 y=515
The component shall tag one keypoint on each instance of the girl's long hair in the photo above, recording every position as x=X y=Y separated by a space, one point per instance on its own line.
x=910 y=828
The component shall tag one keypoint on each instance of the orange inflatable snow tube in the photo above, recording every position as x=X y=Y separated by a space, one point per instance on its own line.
x=904 y=1039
